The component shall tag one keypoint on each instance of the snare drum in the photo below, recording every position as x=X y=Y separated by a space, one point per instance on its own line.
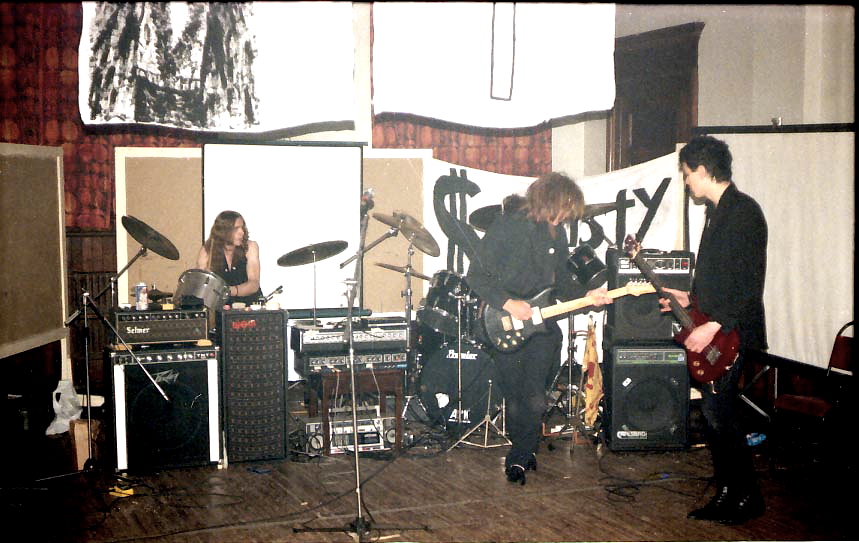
x=201 y=287
x=439 y=310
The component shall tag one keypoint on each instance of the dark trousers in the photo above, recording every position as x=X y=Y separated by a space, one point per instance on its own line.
x=733 y=464
x=525 y=376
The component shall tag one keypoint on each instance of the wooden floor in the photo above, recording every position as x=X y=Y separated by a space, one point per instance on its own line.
x=581 y=492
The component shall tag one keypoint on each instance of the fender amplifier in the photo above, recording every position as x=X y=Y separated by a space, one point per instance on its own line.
x=161 y=326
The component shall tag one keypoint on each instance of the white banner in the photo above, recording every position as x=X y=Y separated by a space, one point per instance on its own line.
x=493 y=64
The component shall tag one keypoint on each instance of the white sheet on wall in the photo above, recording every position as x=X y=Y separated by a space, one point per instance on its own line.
x=441 y=60
x=805 y=183
x=291 y=196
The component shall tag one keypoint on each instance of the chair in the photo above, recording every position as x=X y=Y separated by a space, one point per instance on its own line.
x=813 y=411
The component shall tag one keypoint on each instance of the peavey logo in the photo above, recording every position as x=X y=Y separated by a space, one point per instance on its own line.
x=466 y=355
x=244 y=324
x=136 y=330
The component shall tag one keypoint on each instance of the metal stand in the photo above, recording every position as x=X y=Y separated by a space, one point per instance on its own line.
x=486 y=423
x=572 y=420
x=361 y=526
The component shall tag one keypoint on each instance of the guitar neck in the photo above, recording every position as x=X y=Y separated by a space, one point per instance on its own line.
x=579 y=303
x=681 y=314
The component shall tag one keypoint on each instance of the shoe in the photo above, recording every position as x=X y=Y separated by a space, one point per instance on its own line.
x=749 y=506
x=515 y=474
x=712 y=510
x=532 y=463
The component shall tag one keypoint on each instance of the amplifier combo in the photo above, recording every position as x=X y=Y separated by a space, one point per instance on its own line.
x=178 y=428
x=161 y=326
x=375 y=433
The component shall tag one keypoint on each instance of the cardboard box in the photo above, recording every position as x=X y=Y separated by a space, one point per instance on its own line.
x=79 y=431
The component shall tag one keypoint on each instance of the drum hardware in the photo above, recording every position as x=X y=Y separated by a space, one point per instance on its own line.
x=404 y=270
x=155 y=295
x=203 y=285
x=312 y=253
x=148 y=239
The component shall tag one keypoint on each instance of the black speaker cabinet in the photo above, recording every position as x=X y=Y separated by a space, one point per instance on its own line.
x=254 y=384
x=173 y=424
x=637 y=319
x=647 y=398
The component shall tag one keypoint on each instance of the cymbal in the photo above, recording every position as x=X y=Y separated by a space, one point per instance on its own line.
x=412 y=230
x=485 y=216
x=592 y=210
x=149 y=238
x=403 y=270
x=312 y=253
x=156 y=294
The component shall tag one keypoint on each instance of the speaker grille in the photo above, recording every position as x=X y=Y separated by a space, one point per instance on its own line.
x=254 y=384
x=647 y=402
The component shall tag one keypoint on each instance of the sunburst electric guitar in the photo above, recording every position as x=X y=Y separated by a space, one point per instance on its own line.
x=508 y=334
x=716 y=358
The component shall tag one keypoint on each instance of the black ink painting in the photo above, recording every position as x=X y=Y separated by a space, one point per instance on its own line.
x=203 y=78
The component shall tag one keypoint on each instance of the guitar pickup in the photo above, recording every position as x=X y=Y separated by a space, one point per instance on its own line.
x=536 y=317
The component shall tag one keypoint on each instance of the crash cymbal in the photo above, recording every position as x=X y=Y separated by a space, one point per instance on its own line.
x=403 y=270
x=149 y=238
x=412 y=230
x=485 y=216
x=592 y=210
x=312 y=253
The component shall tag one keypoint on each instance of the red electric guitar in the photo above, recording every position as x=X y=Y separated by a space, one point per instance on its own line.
x=717 y=357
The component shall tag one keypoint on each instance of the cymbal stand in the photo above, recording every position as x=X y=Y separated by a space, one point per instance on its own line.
x=360 y=526
x=410 y=353
x=486 y=423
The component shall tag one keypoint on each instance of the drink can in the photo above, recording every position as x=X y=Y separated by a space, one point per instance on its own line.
x=141 y=296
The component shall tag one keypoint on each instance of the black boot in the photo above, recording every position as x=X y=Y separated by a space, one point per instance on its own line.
x=515 y=474
x=712 y=510
x=748 y=505
x=531 y=463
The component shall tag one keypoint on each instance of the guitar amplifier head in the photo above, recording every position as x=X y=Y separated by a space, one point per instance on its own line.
x=161 y=326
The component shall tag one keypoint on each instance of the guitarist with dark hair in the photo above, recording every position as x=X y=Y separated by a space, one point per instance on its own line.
x=727 y=290
x=522 y=253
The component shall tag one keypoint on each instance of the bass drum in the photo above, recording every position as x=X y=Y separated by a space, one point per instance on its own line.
x=437 y=384
x=200 y=287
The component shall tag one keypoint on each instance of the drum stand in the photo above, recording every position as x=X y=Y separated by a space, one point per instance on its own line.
x=486 y=424
x=410 y=352
x=572 y=421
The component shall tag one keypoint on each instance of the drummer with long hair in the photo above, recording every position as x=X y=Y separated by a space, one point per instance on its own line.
x=230 y=254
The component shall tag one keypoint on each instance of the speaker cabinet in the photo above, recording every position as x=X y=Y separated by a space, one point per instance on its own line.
x=637 y=319
x=254 y=384
x=175 y=429
x=647 y=398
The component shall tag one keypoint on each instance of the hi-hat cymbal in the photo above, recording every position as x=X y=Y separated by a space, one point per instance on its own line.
x=403 y=270
x=412 y=230
x=155 y=294
x=149 y=238
x=312 y=253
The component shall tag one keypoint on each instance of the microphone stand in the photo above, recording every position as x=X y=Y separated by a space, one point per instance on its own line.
x=361 y=527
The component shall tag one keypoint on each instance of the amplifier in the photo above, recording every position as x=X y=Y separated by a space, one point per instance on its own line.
x=375 y=433
x=376 y=338
x=366 y=361
x=161 y=326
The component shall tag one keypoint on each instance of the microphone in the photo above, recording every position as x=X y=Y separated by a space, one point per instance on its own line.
x=367 y=201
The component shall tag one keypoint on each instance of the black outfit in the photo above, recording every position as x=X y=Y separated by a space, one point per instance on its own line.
x=236 y=275
x=728 y=287
x=518 y=258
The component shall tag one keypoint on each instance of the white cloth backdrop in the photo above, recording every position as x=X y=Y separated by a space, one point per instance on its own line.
x=806 y=184
x=435 y=59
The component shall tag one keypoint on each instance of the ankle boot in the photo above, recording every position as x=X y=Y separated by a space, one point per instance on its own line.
x=712 y=510
x=741 y=509
x=515 y=474
x=531 y=463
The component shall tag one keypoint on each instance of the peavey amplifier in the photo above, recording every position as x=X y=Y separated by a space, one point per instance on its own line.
x=161 y=326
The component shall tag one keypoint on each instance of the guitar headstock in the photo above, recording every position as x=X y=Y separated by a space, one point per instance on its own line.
x=631 y=245
x=637 y=288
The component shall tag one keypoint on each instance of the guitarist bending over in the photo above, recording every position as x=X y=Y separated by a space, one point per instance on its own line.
x=728 y=288
x=522 y=253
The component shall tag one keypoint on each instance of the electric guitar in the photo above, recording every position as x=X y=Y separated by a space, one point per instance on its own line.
x=508 y=334
x=716 y=358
